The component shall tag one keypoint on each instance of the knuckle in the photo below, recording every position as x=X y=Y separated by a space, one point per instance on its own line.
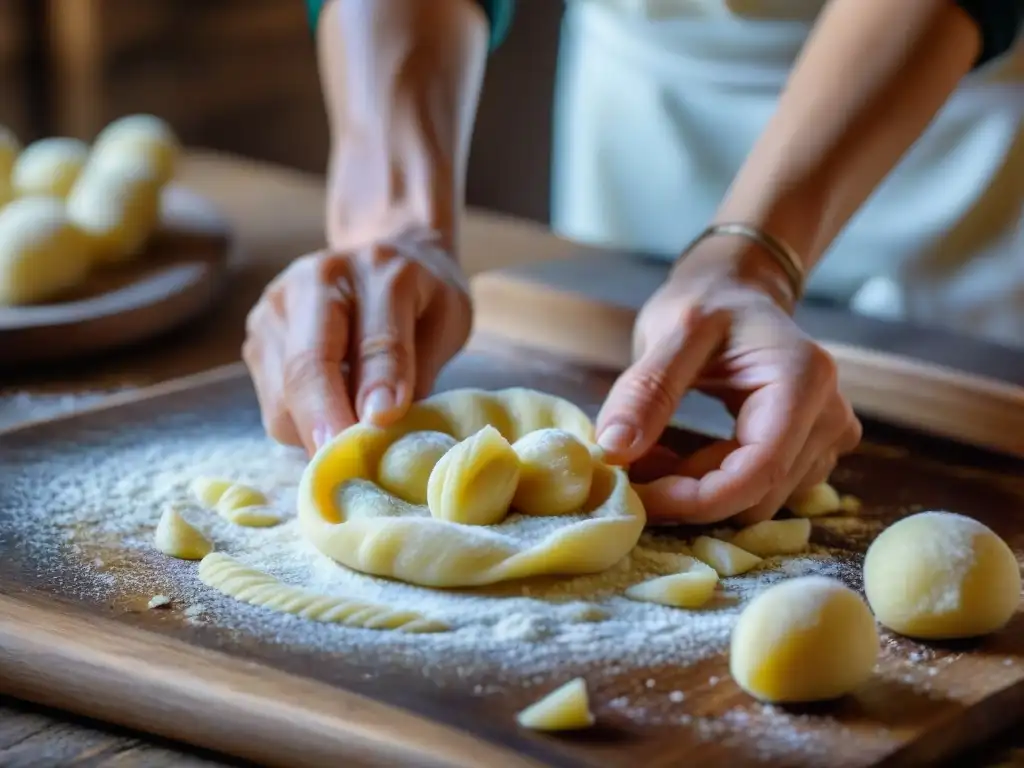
x=383 y=349
x=820 y=368
x=653 y=388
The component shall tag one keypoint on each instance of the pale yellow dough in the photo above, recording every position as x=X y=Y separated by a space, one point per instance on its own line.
x=176 y=537
x=727 y=559
x=249 y=585
x=145 y=136
x=49 y=167
x=770 y=538
x=474 y=482
x=816 y=501
x=406 y=465
x=345 y=513
x=939 y=575
x=806 y=639
x=692 y=587
x=556 y=471
x=235 y=502
x=564 y=709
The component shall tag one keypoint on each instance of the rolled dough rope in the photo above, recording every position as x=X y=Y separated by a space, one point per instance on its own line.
x=250 y=585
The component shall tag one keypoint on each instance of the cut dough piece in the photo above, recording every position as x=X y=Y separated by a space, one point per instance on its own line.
x=474 y=482
x=176 y=537
x=406 y=465
x=727 y=559
x=141 y=134
x=10 y=148
x=939 y=576
x=556 y=471
x=807 y=639
x=208 y=490
x=690 y=588
x=352 y=520
x=249 y=585
x=564 y=709
x=41 y=254
x=774 y=537
x=816 y=501
x=236 y=503
x=118 y=207
x=158 y=601
x=850 y=505
x=49 y=167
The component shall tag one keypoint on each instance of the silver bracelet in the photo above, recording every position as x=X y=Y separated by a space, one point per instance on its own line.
x=779 y=250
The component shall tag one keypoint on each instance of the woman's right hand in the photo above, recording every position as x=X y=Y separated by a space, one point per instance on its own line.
x=341 y=337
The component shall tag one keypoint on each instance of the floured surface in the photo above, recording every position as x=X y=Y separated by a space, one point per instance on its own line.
x=79 y=502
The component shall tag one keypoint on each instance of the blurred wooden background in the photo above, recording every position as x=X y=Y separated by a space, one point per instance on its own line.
x=240 y=76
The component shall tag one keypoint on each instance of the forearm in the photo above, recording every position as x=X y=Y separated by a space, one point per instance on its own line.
x=870 y=79
x=401 y=80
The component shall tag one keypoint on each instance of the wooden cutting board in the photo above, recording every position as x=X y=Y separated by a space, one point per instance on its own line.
x=582 y=308
x=179 y=276
x=80 y=639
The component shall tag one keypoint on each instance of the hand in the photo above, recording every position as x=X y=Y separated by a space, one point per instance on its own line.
x=715 y=326
x=344 y=336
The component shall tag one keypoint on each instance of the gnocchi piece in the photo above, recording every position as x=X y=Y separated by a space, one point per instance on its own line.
x=475 y=481
x=49 y=167
x=690 y=588
x=42 y=254
x=118 y=207
x=565 y=709
x=236 y=503
x=817 y=501
x=10 y=148
x=807 y=639
x=849 y=505
x=727 y=559
x=940 y=576
x=176 y=537
x=556 y=472
x=406 y=465
x=208 y=490
x=774 y=537
x=145 y=135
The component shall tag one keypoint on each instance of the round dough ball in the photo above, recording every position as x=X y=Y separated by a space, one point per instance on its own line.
x=10 y=148
x=556 y=471
x=49 y=167
x=474 y=482
x=939 y=576
x=41 y=253
x=405 y=467
x=145 y=135
x=806 y=639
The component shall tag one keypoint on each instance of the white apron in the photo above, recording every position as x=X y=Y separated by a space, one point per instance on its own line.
x=659 y=101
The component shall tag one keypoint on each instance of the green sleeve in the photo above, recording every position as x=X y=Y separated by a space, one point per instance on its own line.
x=499 y=14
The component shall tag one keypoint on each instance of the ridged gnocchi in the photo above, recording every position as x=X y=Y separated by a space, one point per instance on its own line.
x=474 y=482
x=235 y=502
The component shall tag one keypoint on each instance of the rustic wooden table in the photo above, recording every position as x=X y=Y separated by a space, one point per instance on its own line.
x=277 y=216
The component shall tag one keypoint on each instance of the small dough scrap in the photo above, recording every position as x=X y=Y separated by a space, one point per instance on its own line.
x=249 y=585
x=806 y=639
x=475 y=481
x=176 y=537
x=816 y=501
x=406 y=465
x=774 y=537
x=49 y=167
x=850 y=505
x=556 y=472
x=10 y=148
x=41 y=254
x=727 y=559
x=941 y=576
x=565 y=709
x=690 y=588
x=147 y=135
x=158 y=601
x=236 y=503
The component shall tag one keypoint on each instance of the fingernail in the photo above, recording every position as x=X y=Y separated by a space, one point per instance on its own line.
x=617 y=438
x=321 y=435
x=380 y=400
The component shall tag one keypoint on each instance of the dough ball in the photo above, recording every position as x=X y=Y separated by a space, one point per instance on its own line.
x=141 y=135
x=556 y=471
x=10 y=148
x=939 y=575
x=49 y=167
x=474 y=482
x=118 y=207
x=406 y=465
x=806 y=639
x=41 y=253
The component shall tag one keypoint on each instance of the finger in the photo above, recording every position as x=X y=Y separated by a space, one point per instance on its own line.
x=644 y=398
x=819 y=473
x=440 y=333
x=261 y=353
x=384 y=348
x=655 y=464
x=316 y=341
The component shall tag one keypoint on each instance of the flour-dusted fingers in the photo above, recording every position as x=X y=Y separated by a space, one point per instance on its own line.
x=262 y=353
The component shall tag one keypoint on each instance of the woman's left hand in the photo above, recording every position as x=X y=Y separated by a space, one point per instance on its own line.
x=719 y=325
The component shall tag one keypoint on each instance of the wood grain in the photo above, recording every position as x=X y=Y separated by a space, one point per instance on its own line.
x=232 y=690
x=583 y=308
x=181 y=274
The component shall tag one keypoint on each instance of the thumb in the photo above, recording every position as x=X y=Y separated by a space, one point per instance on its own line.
x=645 y=396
